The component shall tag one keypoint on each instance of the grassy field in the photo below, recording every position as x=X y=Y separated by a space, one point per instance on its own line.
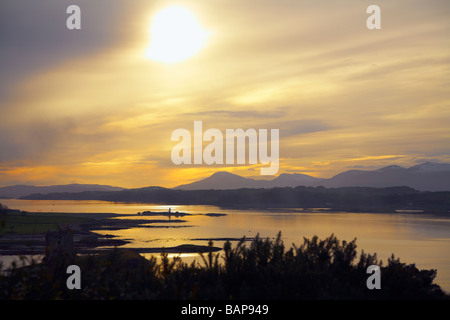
x=36 y=223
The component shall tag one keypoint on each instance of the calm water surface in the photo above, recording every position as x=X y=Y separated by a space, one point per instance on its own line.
x=415 y=238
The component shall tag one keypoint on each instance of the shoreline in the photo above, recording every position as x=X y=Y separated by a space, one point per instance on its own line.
x=85 y=239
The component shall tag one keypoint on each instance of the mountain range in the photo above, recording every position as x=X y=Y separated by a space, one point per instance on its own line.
x=18 y=191
x=427 y=176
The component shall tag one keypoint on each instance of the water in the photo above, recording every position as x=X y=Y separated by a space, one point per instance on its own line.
x=422 y=239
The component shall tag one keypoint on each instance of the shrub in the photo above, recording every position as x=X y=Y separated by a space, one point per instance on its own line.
x=317 y=269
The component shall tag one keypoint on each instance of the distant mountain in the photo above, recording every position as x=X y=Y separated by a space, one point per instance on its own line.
x=221 y=180
x=423 y=177
x=225 y=180
x=18 y=191
x=431 y=166
x=427 y=176
x=294 y=180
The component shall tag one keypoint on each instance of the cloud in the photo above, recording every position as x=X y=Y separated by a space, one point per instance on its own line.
x=35 y=38
x=303 y=126
x=31 y=141
x=252 y=114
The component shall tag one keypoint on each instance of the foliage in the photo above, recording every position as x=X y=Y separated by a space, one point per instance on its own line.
x=317 y=269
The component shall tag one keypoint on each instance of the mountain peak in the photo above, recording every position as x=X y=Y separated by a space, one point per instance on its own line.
x=391 y=168
x=296 y=177
x=226 y=180
x=431 y=166
x=219 y=180
x=219 y=174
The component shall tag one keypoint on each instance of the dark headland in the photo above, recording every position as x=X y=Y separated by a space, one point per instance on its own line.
x=350 y=199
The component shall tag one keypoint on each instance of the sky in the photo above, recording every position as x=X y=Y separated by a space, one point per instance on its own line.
x=90 y=106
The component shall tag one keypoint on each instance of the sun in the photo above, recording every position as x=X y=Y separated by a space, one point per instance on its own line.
x=175 y=35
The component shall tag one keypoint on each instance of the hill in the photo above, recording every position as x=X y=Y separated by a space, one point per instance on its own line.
x=18 y=191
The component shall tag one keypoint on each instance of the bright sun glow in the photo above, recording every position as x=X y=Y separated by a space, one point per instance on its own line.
x=176 y=35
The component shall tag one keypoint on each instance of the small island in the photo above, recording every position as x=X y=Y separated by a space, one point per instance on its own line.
x=169 y=213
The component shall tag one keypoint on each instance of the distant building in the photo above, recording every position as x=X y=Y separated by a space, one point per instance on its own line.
x=59 y=244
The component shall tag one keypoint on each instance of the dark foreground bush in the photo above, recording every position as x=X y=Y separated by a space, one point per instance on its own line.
x=318 y=269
